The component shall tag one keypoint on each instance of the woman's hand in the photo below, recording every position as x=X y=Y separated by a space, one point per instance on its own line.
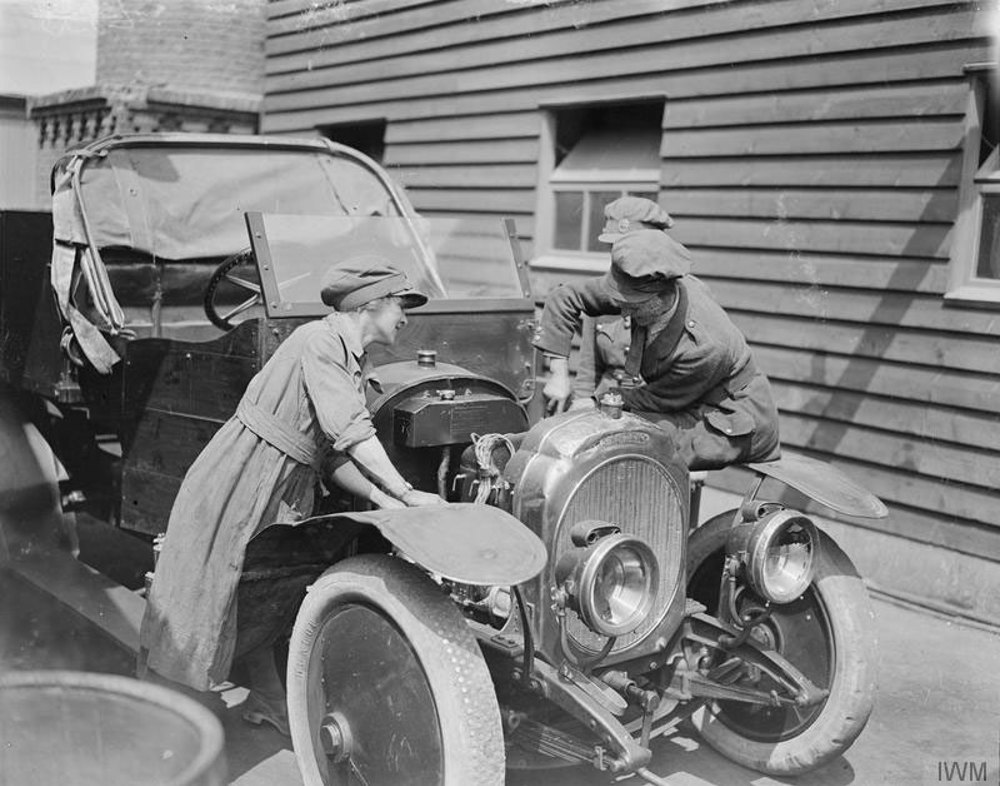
x=557 y=388
x=419 y=499
x=384 y=501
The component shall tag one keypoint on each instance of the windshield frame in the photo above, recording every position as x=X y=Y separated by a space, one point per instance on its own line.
x=277 y=308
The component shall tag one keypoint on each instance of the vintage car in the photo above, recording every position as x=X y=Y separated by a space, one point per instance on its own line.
x=564 y=608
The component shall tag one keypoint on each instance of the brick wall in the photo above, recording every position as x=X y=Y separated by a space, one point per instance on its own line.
x=194 y=45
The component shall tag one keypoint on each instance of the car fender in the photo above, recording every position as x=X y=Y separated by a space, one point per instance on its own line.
x=823 y=483
x=461 y=541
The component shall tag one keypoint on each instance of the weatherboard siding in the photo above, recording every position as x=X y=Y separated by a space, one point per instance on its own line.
x=811 y=154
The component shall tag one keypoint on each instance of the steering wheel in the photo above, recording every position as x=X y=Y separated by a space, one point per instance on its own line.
x=236 y=275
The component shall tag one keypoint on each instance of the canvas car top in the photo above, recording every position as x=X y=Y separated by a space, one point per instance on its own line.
x=183 y=196
x=179 y=197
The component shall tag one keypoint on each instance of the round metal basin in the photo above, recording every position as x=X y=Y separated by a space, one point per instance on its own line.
x=74 y=728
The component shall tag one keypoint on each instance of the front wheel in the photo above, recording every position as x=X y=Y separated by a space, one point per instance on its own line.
x=828 y=634
x=387 y=685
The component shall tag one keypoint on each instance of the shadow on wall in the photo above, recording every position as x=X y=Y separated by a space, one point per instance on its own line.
x=853 y=384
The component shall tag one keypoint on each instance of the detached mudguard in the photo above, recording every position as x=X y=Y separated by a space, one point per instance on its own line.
x=463 y=542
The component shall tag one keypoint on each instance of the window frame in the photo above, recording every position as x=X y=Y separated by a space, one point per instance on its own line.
x=588 y=188
x=546 y=255
x=965 y=287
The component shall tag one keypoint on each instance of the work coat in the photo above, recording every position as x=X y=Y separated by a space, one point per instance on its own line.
x=698 y=377
x=604 y=346
x=259 y=469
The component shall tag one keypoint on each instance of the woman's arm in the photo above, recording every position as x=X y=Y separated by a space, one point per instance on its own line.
x=350 y=478
x=587 y=372
x=343 y=417
x=371 y=457
x=564 y=310
x=562 y=316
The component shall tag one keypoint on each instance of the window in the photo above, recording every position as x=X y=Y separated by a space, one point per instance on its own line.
x=595 y=154
x=975 y=259
x=366 y=136
x=987 y=258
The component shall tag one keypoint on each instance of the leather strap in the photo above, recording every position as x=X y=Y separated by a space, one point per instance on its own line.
x=278 y=434
x=665 y=342
x=637 y=341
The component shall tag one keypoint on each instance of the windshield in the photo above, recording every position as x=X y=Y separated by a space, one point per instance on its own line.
x=445 y=258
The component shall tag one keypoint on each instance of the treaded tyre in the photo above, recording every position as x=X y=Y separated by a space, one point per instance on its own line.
x=387 y=685
x=828 y=634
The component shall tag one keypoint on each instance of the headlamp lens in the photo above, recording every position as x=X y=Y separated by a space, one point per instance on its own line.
x=617 y=585
x=782 y=556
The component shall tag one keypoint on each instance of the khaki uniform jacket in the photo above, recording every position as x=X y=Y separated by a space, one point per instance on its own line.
x=700 y=380
x=307 y=398
x=604 y=345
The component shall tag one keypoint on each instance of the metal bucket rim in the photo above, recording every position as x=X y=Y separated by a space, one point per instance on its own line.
x=208 y=727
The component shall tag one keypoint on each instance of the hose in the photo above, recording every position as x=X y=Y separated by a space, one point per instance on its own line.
x=527 y=664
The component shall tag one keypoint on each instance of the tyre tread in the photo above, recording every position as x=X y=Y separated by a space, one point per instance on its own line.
x=436 y=629
x=833 y=732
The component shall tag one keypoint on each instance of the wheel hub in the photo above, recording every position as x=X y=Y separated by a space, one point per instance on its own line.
x=763 y=636
x=335 y=737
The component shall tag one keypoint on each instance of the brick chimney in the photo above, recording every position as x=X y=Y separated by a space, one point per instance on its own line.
x=162 y=65
x=193 y=46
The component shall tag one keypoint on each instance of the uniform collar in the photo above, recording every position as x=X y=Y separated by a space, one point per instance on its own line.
x=661 y=322
x=349 y=330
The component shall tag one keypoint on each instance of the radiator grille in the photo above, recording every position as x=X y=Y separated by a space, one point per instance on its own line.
x=638 y=495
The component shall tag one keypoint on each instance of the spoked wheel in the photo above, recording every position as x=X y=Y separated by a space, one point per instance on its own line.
x=233 y=290
x=828 y=634
x=386 y=684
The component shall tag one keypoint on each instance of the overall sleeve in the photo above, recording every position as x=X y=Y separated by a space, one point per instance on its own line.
x=332 y=383
x=563 y=309
x=587 y=372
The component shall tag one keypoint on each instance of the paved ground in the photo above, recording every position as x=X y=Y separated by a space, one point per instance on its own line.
x=939 y=702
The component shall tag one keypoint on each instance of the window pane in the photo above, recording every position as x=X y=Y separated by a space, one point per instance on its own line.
x=650 y=195
x=598 y=199
x=569 y=220
x=989 y=239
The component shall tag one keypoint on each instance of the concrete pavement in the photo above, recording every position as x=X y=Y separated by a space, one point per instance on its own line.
x=937 y=712
x=936 y=719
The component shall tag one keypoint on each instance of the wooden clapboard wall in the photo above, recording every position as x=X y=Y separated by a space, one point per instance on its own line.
x=811 y=152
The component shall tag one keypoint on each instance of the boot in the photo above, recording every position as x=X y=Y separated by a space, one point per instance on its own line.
x=266 y=702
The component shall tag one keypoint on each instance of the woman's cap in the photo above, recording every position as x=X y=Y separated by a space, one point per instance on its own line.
x=645 y=263
x=362 y=279
x=632 y=214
